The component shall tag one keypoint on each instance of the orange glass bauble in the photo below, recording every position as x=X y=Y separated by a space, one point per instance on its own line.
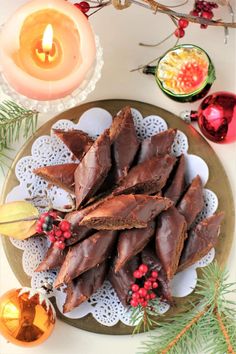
x=27 y=317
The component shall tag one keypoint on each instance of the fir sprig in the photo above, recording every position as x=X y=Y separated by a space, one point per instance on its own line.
x=14 y=119
x=144 y=318
x=209 y=326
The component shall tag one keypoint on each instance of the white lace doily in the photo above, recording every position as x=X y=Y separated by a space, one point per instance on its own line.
x=49 y=150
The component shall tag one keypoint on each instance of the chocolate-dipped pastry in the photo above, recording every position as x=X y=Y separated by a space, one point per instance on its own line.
x=124 y=143
x=77 y=141
x=177 y=186
x=170 y=236
x=200 y=241
x=53 y=259
x=152 y=261
x=81 y=288
x=59 y=175
x=131 y=242
x=93 y=169
x=156 y=145
x=123 y=280
x=86 y=255
x=126 y=212
x=192 y=202
x=148 y=177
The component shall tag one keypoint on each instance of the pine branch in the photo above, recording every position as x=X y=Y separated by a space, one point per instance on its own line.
x=14 y=120
x=209 y=325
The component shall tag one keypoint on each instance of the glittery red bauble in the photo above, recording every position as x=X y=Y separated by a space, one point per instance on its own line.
x=217 y=117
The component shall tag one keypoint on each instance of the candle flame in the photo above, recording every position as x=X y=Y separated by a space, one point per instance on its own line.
x=47 y=41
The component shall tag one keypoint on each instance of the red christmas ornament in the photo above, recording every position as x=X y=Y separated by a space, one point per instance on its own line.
x=216 y=117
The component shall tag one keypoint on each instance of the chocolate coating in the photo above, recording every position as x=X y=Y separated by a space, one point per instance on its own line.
x=86 y=255
x=122 y=132
x=122 y=280
x=177 y=185
x=126 y=212
x=53 y=259
x=170 y=235
x=93 y=169
x=59 y=175
x=192 y=202
x=148 y=177
x=81 y=288
x=153 y=262
x=200 y=241
x=77 y=141
x=131 y=242
x=156 y=145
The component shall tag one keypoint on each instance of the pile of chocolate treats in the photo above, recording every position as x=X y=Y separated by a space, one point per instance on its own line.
x=132 y=207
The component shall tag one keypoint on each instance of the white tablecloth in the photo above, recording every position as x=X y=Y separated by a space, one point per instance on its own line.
x=120 y=33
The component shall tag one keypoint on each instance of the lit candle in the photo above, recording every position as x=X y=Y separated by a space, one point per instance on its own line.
x=46 y=49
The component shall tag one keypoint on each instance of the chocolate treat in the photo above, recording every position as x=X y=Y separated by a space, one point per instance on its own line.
x=150 y=259
x=93 y=169
x=192 y=202
x=81 y=288
x=200 y=241
x=53 y=259
x=148 y=177
x=77 y=141
x=156 y=145
x=126 y=212
x=131 y=242
x=86 y=255
x=59 y=175
x=78 y=232
x=177 y=186
x=124 y=143
x=170 y=236
x=123 y=280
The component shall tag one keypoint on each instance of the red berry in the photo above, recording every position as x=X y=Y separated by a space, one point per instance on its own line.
x=64 y=225
x=144 y=304
x=60 y=245
x=155 y=285
x=154 y=274
x=137 y=274
x=194 y=13
x=203 y=26
x=147 y=297
x=179 y=32
x=134 y=303
x=142 y=292
x=67 y=234
x=183 y=23
x=152 y=279
x=58 y=233
x=52 y=238
x=152 y=296
x=147 y=285
x=207 y=14
x=84 y=6
x=135 y=287
x=135 y=296
x=53 y=214
x=39 y=229
x=143 y=268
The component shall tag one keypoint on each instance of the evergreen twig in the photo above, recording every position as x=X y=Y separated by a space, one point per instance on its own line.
x=209 y=326
x=14 y=120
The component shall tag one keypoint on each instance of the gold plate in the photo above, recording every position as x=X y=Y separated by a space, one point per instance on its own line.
x=218 y=182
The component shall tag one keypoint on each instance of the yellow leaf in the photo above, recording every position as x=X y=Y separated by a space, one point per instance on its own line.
x=18 y=219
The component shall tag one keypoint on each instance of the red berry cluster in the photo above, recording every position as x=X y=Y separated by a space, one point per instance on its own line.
x=83 y=6
x=204 y=9
x=57 y=232
x=143 y=292
x=182 y=23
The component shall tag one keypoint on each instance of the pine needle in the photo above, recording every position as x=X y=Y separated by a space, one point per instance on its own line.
x=14 y=121
x=209 y=326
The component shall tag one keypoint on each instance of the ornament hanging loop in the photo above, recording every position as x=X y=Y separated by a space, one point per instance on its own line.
x=121 y=4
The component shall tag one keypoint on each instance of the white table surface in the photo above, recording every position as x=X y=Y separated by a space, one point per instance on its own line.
x=120 y=32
